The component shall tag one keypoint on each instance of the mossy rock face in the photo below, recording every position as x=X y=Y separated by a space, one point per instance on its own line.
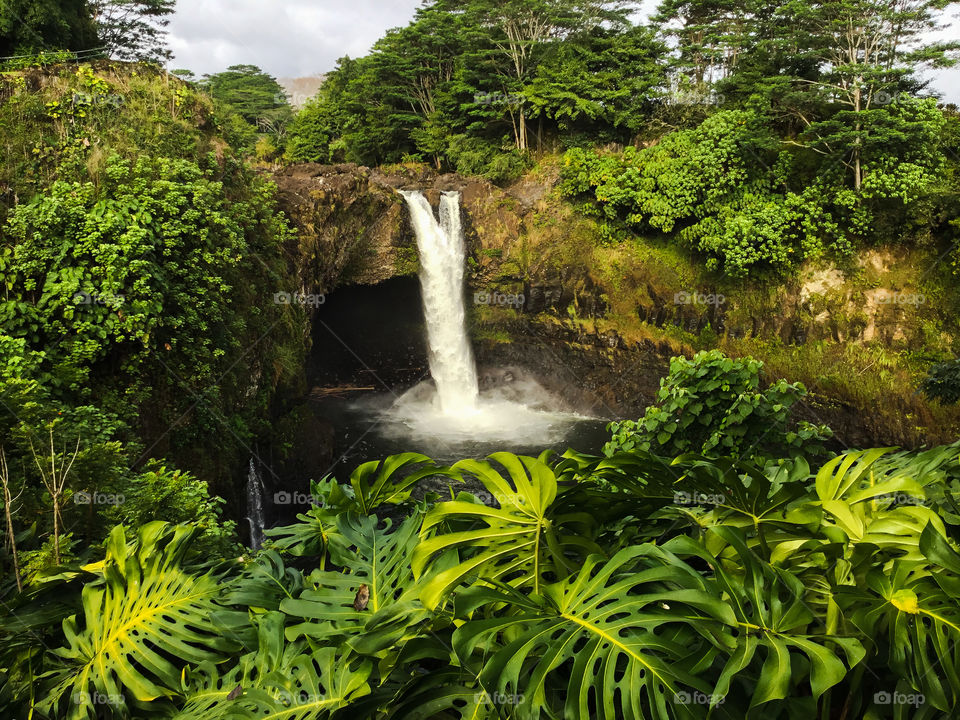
x=821 y=326
x=351 y=230
x=407 y=261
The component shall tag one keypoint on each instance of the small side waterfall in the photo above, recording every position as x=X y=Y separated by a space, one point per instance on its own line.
x=442 y=260
x=255 y=512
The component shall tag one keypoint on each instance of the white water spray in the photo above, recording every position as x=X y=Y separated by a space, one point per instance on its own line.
x=442 y=255
x=455 y=413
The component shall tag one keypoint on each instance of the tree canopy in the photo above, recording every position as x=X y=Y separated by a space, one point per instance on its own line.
x=123 y=29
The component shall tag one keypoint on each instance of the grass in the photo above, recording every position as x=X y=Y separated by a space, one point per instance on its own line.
x=879 y=382
x=76 y=115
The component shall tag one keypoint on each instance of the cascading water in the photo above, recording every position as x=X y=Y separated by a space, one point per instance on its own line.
x=442 y=258
x=451 y=412
x=255 y=513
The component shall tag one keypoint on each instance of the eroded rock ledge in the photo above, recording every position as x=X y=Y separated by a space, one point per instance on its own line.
x=353 y=226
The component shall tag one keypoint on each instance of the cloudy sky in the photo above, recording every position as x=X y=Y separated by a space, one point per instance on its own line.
x=297 y=38
x=288 y=38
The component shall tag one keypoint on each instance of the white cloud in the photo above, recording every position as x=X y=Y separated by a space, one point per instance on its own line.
x=287 y=38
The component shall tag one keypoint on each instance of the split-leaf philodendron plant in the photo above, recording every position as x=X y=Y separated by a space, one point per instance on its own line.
x=628 y=587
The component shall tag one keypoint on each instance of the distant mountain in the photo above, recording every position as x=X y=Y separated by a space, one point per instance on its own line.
x=299 y=90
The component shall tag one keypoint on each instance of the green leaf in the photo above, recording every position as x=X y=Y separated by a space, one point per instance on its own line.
x=144 y=620
x=382 y=481
x=621 y=638
x=377 y=558
x=280 y=681
x=772 y=615
x=520 y=542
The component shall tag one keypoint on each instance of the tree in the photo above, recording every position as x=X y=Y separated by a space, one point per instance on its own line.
x=8 y=501
x=868 y=52
x=133 y=29
x=32 y=26
x=412 y=71
x=55 y=483
x=254 y=95
x=520 y=32
x=607 y=79
x=710 y=34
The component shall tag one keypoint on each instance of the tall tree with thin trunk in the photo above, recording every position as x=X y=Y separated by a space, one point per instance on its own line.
x=55 y=481
x=521 y=31
x=868 y=52
x=8 y=501
x=134 y=29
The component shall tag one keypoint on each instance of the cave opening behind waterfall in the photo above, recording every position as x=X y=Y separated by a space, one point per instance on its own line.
x=370 y=356
x=370 y=336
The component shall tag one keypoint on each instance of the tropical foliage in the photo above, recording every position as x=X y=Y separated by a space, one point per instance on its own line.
x=139 y=259
x=703 y=587
x=713 y=405
x=124 y=29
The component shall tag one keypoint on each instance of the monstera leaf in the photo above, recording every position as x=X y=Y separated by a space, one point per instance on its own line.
x=521 y=542
x=877 y=503
x=142 y=622
x=383 y=481
x=773 y=620
x=281 y=681
x=445 y=695
x=374 y=602
x=264 y=584
x=316 y=530
x=621 y=638
x=915 y=617
x=633 y=484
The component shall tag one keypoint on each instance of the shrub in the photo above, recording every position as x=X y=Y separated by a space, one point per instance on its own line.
x=713 y=405
x=943 y=382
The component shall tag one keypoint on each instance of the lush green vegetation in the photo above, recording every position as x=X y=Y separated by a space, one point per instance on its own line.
x=123 y=29
x=713 y=405
x=727 y=189
x=719 y=559
x=691 y=586
x=137 y=319
x=477 y=86
x=253 y=106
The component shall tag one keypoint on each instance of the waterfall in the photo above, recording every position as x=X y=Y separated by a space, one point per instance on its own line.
x=442 y=259
x=255 y=515
x=451 y=411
